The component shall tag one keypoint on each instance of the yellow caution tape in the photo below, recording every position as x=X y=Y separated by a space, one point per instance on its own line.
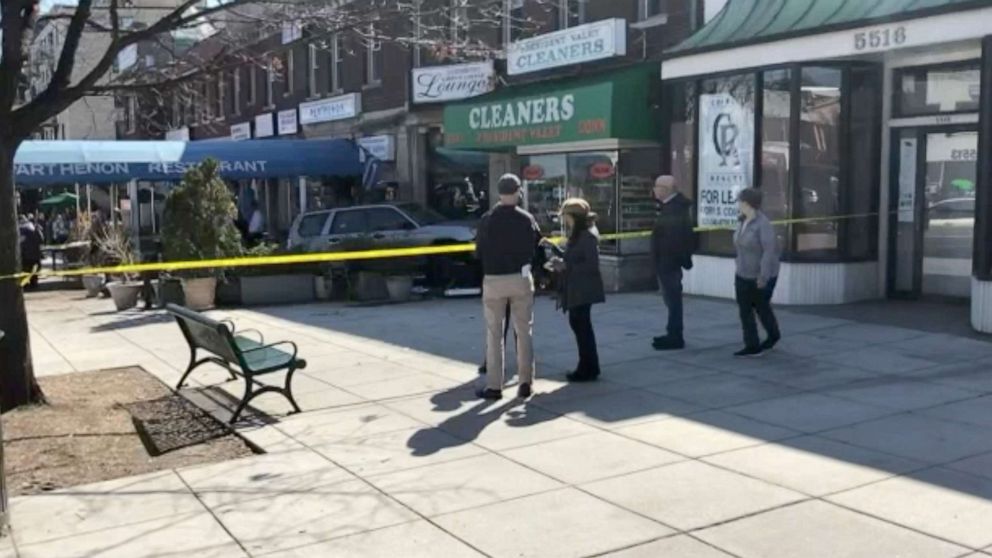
x=327 y=257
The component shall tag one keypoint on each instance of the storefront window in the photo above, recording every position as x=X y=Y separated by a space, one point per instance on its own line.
x=682 y=133
x=775 y=144
x=817 y=160
x=458 y=181
x=592 y=176
x=638 y=170
x=544 y=178
x=818 y=194
x=861 y=230
x=941 y=89
x=330 y=192
x=726 y=156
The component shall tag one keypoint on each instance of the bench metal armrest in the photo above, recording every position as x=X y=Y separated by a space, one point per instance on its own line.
x=235 y=331
x=261 y=338
x=272 y=345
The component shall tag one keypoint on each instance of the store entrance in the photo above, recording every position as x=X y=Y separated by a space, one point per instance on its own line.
x=933 y=211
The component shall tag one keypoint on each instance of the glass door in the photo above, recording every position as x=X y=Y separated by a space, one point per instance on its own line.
x=934 y=212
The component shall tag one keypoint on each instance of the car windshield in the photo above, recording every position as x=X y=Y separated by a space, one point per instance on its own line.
x=420 y=214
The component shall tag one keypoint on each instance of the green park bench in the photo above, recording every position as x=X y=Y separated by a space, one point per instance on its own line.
x=236 y=353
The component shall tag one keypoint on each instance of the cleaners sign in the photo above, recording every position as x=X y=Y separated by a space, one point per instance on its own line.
x=726 y=157
x=575 y=114
x=575 y=45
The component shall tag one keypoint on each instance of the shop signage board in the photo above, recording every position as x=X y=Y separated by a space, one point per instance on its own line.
x=726 y=158
x=241 y=131
x=616 y=105
x=381 y=147
x=576 y=45
x=911 y=33
x=451 y=83
x=329 y=110
x=263 y=125
x=287 y=122
x=179 y=134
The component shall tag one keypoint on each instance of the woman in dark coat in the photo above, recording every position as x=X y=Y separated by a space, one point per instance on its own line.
x=582 y=284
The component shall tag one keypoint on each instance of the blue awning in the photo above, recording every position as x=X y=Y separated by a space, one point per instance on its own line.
x=40 y=163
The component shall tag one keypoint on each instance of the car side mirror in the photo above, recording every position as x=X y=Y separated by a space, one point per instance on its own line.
x=408 y=226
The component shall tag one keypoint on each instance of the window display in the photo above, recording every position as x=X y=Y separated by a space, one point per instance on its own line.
x=726 y=156
x=817 y=160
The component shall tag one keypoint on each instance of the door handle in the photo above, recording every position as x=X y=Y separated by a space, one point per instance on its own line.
x=378 y=236
x=334 y=241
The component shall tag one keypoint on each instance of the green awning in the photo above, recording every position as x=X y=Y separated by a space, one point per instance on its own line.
x=757 y=21
x=618 y=105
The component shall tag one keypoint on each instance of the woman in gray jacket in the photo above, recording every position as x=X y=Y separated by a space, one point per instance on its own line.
x=582 y=284
x=757 y=273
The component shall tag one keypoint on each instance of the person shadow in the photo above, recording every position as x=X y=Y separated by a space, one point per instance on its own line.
x=464 y=427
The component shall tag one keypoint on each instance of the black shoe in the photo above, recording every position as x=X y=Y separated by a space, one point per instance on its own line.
x=580 y=377
x=523 y=391
x=770 y=343
x=482 y=370
x=749 y=352
x=668 y=344
x=490 y=394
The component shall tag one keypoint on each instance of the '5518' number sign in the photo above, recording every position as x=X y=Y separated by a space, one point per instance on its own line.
x=880 y=38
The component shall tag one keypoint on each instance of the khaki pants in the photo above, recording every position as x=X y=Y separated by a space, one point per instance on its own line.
x=518 y=291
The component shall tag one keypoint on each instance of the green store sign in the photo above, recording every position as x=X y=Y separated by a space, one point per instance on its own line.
x=612 y=107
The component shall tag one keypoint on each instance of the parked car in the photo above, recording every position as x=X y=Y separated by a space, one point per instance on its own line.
x=399 y=225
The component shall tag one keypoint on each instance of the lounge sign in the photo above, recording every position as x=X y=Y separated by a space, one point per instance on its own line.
x=451 y=83
x=575 y=45
x=572 y=114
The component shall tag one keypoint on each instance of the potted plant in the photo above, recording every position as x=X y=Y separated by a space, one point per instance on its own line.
x=198 y=224
x=82 y=231
x=115 y=248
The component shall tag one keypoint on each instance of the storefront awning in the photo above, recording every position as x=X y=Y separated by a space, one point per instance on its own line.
x=768 y=32
x=41 y=163
x=617 y=105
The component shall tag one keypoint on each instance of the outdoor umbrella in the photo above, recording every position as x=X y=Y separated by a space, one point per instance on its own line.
x=65 y=199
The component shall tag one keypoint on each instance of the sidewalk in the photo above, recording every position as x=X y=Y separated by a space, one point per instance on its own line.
x=851 y=440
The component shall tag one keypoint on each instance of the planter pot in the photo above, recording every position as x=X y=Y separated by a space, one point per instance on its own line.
x=277 y=289
x=170 y=291
x=370 y=287
x=124 y=294
x=200 y=293
x=156 y=294
x=229 y=291
x=399 y=287
x=323 y=287
x=93 y=285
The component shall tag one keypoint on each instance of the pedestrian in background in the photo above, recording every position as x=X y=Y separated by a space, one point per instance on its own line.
x=757 y=272
x=672 y=245
x=31 y=241
x=581 y=285
x=507 y=241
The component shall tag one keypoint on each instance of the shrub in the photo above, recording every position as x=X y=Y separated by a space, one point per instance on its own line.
x=199 y=215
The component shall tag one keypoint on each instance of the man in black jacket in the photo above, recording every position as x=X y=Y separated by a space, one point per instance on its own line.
x=507 y=241
x=672 y=245
x=31 y=240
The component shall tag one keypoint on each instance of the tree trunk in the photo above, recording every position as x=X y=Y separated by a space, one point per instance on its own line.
x=17 y=383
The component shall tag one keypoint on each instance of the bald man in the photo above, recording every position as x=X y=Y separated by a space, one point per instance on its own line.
x=672 y=244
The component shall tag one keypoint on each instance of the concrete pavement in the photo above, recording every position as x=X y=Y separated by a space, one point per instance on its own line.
x=851 y=439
